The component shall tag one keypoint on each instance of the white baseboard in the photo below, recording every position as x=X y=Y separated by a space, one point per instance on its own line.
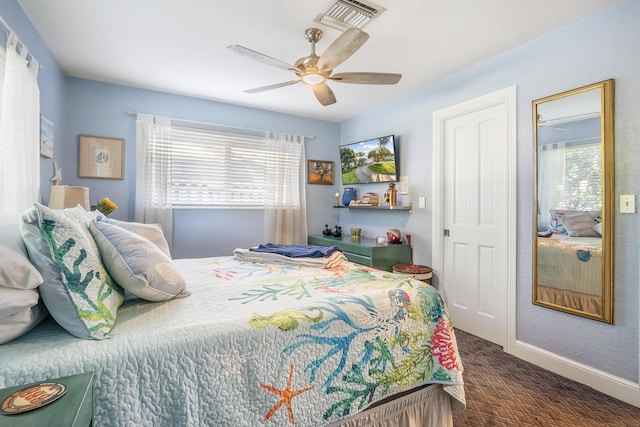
x=611 y=385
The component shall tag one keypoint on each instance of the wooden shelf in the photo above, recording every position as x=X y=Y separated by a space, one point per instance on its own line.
x=377 y=208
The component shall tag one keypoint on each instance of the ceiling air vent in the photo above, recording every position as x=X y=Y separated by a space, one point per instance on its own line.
x=344 y=14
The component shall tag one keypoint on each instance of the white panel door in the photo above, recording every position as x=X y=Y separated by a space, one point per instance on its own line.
x=475 y=197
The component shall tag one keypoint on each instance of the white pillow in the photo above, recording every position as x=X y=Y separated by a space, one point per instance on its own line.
x=151 y=232
x=598 y=228
x=136 y=264
x=13 y=301
x=16 y=271
x=579 y=224
x=11 y=327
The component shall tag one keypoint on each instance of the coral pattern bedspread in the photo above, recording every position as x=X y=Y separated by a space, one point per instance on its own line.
x=255 y=344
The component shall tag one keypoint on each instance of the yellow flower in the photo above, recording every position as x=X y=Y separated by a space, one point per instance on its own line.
x=106 y=206
x=108 y=203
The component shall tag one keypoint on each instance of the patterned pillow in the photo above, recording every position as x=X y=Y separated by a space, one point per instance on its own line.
x=151 y=232
x=77 y=290
x=136 y=264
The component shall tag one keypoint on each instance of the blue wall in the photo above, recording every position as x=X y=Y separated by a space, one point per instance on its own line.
x=602 y=46
x=101 y=109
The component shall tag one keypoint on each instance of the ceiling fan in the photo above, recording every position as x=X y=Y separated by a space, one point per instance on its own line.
x=549 y=123
x=316 y=70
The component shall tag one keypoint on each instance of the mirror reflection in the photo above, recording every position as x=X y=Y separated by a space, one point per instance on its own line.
x=573 y=245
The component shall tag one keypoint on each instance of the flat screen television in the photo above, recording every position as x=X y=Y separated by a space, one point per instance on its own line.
x=373 y=160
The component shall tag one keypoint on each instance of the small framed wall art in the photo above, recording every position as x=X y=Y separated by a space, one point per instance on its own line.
x=320 y=172
x=101 y=157
x=46 y=137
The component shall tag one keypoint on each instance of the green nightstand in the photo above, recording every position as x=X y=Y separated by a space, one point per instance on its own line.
x=73 y=409
x=366 y=251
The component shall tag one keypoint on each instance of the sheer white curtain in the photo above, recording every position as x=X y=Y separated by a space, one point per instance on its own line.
x=19 y=128
x=551 y=172
x=285 y=216
x=152 y=173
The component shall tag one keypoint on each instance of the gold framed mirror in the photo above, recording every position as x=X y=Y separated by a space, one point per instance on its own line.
x=573 y=201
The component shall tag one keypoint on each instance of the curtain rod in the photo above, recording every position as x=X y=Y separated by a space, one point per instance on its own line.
x=135 y=113
x=10 y=31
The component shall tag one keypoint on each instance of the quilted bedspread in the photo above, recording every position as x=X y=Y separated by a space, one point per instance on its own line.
x=255 y=344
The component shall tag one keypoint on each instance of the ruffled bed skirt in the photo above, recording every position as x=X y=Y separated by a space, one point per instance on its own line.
x=429 y=406
x=579 y=301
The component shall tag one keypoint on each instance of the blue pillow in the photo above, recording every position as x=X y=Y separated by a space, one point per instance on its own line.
x=151 y=232
x=137 y=264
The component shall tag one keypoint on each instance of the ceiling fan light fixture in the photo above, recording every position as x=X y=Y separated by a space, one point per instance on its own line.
x=313 y=78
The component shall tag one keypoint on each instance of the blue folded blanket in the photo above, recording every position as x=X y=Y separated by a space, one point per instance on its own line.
x=297 y=251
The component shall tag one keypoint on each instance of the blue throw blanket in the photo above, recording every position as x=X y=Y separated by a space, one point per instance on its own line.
x=297 y=251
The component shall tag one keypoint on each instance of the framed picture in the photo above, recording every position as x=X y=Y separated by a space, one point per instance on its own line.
x=46 y=138
x=101 y=157
x=320 y=172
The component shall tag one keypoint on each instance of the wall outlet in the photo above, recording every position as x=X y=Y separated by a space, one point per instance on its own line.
x=627 y=203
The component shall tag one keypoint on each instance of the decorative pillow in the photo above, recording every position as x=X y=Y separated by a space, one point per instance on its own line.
x=16 y=271
x=77 y=290
x=136 y=264
x=151 y=232
x=18 y=324
x=579 y=225
x=555 y=223
x=13 y=301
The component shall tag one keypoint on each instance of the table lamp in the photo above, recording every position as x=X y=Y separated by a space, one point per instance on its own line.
x=68 y=196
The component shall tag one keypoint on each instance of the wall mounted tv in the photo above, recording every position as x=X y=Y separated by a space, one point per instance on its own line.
x=373 y=160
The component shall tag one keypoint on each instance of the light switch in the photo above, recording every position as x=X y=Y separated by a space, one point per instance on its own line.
x=627 y=203
x=422 y=202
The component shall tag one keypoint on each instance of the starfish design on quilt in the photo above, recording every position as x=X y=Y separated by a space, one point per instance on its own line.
x=286 y=396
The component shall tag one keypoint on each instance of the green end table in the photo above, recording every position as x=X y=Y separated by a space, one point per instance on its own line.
x=73 y=409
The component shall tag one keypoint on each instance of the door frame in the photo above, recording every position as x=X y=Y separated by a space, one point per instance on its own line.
x=507 y=97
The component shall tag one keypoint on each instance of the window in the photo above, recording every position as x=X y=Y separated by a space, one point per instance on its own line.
x=581 y=188
x=208 y=168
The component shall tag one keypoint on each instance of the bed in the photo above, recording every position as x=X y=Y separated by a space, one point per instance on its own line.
x=248 y=342
x=570 y=272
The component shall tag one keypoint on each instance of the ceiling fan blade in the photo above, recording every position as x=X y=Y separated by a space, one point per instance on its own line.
x=261 y=57
x=324 y=94
x=367 y=78
x=273 y=86
x=342 y=48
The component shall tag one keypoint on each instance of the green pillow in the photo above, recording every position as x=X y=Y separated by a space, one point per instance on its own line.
x=76 y=290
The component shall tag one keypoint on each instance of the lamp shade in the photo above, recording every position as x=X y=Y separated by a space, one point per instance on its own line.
x=68 y=196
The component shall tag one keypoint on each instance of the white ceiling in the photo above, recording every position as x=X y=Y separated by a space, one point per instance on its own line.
x=179 y=46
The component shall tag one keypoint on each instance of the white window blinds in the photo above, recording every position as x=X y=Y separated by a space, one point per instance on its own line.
x=578 y=184
x=208 y=168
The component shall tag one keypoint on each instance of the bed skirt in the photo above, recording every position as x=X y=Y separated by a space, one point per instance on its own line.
x=429 y=406
x=591 y=304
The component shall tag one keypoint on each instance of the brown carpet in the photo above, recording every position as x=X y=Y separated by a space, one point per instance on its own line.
x=502 y=390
